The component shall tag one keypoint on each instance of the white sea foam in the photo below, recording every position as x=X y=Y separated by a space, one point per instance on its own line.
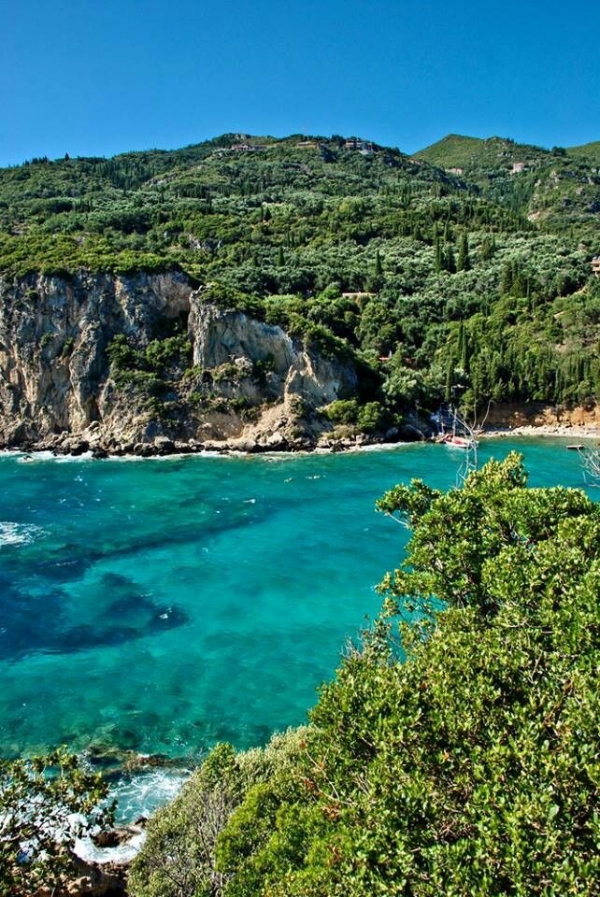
x=385 y=447
x=28 y=457
x=18 y=533
x=135 y=459
x=87 y=850
x=138 y=795
x=68 y=459
x=47 y=455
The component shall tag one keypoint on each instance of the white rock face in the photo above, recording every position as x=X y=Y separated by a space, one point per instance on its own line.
x=55 y=381
x=54 y=332
x=223 y=337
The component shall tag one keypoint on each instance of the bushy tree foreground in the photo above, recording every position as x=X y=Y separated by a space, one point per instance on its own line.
x=457 y=752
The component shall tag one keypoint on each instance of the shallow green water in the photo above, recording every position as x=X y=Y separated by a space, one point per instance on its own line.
x=164 y=605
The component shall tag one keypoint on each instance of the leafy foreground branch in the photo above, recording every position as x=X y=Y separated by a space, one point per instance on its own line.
x=45 y=803
x=457 y=755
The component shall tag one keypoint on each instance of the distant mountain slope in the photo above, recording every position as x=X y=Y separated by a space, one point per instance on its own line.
x=452 y=151
x=156 y=208
x=475 y=155
x=558 y=188
x=587 y=151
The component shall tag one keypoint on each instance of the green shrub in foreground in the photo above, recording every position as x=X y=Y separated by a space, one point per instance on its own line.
x=179 y=855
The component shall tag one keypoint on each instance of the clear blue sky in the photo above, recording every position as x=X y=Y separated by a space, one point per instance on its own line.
x=98 y=77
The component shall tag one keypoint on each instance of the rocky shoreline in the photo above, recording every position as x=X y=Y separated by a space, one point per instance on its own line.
x=101 y=861
x=92 y=442
x=73 y=446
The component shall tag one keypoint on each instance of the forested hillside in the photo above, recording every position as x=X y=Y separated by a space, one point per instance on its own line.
x=461 y=274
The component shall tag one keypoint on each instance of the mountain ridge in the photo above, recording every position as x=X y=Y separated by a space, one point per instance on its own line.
x=222 y=140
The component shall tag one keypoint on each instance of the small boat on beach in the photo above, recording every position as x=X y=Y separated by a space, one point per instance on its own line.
x=453 y=440
x=453 y=430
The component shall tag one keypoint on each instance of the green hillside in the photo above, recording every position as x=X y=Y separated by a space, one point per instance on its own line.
x=469 y=286
x=557 y=188
x=475 y=154
x=587 y=150
x=159 y=208
x=452 y=151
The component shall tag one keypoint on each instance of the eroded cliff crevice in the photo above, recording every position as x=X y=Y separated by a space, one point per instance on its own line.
x=183 y=371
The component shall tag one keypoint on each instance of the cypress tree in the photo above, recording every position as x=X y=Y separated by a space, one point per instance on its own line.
x=507 y=280
x=439 y=255
x=378 y=265
x=449 y=380
x=450 y=261
x=462 y=345
x=464 y=262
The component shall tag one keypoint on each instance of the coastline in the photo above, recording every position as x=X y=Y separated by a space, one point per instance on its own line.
x=278 y=432
x=361 y=443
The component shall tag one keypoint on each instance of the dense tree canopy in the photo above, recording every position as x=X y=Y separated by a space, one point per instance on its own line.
x=469 y=264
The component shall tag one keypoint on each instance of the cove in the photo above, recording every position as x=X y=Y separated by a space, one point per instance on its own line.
x=163 y=605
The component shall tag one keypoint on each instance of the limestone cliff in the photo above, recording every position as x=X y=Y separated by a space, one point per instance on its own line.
x=234 y=378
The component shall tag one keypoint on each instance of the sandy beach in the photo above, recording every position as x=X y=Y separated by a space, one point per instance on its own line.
x=574 y=432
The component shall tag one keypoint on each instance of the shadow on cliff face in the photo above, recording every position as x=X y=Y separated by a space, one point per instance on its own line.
x=37 y=624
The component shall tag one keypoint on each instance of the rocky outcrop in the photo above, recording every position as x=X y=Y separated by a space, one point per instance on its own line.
x=245 y=382
x=97 y=880
x=221 y=337
x=540 y=415
x=259 y=363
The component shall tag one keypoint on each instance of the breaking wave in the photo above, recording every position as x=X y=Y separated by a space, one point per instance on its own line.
x=18 y=533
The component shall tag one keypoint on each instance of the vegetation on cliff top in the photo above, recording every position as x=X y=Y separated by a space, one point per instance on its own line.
x=467 y=285
x=456 y=754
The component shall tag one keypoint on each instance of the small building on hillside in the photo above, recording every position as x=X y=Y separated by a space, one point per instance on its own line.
x=357 y=296
x=362 y=146
x=596 y=265
x=247 y=148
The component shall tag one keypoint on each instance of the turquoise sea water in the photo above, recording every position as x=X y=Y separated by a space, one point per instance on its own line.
x=162 y=605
